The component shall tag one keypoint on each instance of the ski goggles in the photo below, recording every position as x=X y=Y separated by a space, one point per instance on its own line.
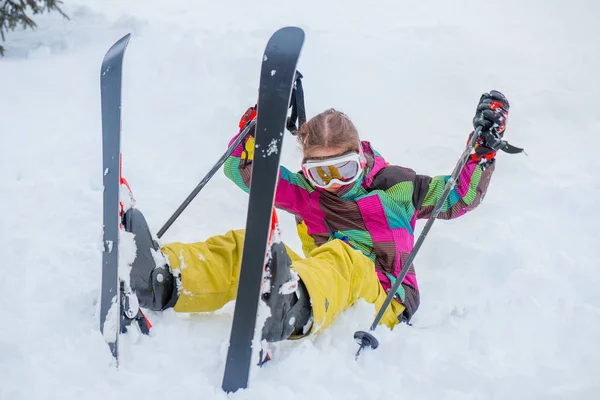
x=344 y=169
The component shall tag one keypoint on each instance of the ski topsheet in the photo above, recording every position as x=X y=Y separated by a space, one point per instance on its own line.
x=276 y=80
x=110 y=89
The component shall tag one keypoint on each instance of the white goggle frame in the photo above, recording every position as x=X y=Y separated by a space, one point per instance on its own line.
x=340 y=163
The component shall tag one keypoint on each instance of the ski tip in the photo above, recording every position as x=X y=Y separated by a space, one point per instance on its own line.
x=125 y=38
x=289 y=34
x=118 y=47
x=291 y=28
x=121 y=43
x=291 y=31
x=286 y=40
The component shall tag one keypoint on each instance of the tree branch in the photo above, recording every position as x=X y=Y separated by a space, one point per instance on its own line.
x=13 y=14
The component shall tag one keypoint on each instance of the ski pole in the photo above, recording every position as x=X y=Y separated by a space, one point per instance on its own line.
x=367 y=338
x=208 y=177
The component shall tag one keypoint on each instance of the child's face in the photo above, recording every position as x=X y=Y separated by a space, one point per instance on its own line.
x=323 y=153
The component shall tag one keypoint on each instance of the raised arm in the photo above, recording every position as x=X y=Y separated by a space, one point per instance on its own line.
x=474 y=179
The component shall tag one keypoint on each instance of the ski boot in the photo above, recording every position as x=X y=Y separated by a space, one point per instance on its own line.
x=150 y=278
x=287 y=297
x=151 y=283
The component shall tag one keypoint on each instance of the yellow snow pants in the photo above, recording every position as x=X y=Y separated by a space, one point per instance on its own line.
x=334 y=274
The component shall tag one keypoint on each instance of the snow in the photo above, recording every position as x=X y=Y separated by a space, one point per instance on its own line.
x=510 y=301
x=111 y=326
x=271 y=149
x=127 y=252
x=126 y=198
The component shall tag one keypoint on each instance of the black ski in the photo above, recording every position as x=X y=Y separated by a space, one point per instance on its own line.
x=276 y=80
x=110 y=89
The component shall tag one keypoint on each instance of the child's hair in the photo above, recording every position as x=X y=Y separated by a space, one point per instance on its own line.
x=331 y=128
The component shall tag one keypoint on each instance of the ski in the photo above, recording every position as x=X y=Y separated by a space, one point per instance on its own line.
x=276 y=80
x=111 y=294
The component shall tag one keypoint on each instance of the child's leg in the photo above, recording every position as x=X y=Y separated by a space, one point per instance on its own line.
x=336 y=276
x=208 y=271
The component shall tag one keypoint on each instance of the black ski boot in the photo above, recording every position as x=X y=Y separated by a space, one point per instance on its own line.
x=150 y=278
x=287 y=297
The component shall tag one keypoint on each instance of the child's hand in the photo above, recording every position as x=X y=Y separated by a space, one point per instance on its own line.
x=491 y=114
x=248 y=116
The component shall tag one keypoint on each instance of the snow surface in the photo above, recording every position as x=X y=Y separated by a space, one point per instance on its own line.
x=510 y=300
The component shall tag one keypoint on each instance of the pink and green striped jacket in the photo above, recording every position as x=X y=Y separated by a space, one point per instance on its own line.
x=376 y=215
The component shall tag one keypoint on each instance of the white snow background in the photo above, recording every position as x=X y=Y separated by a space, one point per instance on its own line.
x=510 y=300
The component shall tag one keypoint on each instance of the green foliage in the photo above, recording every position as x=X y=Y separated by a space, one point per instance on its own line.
x=13 y=13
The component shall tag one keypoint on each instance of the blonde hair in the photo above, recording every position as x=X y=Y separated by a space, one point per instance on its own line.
x=331 y=128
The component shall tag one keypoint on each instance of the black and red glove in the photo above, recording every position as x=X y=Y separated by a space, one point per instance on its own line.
x=491 y=115
x=248 y=116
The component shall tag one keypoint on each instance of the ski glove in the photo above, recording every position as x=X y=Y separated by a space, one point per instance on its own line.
x=491 y=115
x=248 y=116
x=492 y=112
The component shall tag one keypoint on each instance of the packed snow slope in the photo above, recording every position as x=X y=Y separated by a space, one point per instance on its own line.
x=510 y=300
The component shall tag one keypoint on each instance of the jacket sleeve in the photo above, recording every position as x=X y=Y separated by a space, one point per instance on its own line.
x=408 y=291
x=411 y=300
x=292 y=188
x=466 y=195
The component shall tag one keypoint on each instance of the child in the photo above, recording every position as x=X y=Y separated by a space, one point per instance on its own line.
x=355 y=216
